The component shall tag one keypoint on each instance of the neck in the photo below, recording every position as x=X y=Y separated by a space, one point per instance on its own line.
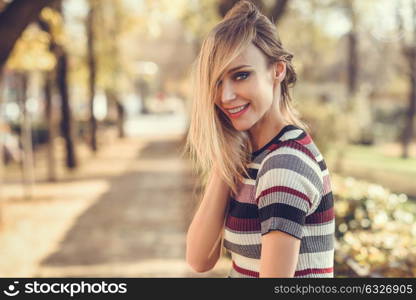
x=266 y=128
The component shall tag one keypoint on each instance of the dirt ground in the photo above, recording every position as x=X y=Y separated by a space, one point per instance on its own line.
x=124 y=213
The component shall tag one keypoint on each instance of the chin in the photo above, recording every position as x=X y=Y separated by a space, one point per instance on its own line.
x=241 y=126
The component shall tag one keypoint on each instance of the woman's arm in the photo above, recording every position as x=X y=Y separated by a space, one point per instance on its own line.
x=203 y=241
x=279 y=254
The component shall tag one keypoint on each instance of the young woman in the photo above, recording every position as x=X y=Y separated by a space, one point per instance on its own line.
x=268 y=198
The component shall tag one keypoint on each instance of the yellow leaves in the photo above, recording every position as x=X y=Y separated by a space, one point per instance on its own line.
x=31 y=51
x=375 y=256
x=341 y=209
x=375 y=229
x=54 y=19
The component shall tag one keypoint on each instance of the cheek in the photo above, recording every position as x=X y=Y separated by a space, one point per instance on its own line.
x=263 y=96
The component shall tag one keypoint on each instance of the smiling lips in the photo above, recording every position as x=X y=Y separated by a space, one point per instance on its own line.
x=235 y=112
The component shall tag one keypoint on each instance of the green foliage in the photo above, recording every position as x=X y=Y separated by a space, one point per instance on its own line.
x=375 y=230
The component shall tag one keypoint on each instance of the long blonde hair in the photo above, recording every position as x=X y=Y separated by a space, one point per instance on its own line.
x=212 y=137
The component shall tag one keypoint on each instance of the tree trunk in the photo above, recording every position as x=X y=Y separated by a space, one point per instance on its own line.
x=28 y=177
x=61 y=78
x=408 y=131
x=352 y=68
x=352 y=49
x=92 y=75
x=50 y=117
x=66 y=121
x=277 y=12
x=113 y=98
x=2 y=125
x=409 y=52
x=120 y=119
x=274 y=14
x=13 y=21
x=112 y=93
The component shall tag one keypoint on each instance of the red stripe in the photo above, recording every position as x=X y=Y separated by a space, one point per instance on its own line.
x=245 y=271
x=293 y=145
x=241 y=224
x=321 y=217
x=306 y=140
x=313 y=271
x=297 y=273
x=284 y=189
x=327 y=184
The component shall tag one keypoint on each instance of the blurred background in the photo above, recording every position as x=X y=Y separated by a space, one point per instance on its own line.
x=94 y=110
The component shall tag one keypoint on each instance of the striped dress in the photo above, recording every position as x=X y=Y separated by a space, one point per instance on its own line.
x=288 y=190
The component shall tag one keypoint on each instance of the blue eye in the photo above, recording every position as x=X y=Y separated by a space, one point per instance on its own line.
x=241 y=75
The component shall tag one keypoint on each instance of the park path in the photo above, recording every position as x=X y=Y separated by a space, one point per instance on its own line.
x=124 y=214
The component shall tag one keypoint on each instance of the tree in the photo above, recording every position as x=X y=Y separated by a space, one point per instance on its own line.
x=409 y=53
x=61 y=78
x=352 y=38
x=113 y=21
x=49 y=115
x=13 y=21
x=115 y=54
x=274 y=13
x=92 y=68
x=26 y=137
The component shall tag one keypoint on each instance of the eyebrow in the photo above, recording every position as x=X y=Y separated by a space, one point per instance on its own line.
x=236 y=68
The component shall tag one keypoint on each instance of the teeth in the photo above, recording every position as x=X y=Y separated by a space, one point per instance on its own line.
x=238 y=109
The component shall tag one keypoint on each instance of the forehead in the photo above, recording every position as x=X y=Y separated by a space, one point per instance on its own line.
x=249 y=56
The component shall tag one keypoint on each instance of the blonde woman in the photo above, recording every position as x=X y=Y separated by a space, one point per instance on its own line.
x=268 y=198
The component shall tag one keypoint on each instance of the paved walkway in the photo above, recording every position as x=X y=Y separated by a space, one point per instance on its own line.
x=124 y=214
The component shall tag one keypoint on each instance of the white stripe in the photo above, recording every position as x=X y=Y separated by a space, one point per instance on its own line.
x=291 y=135
x=319 y=260
x=253 y=165
x=242 y=238
x=302 y=156
x=315 y=230
x=325 y=172
x=289 y=178
x=319 y=158
x=251 y=264
x=249 y=181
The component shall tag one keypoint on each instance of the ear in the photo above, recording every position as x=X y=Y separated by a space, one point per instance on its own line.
x=279 y=71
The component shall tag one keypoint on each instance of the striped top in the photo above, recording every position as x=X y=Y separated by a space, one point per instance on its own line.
x=288 y=190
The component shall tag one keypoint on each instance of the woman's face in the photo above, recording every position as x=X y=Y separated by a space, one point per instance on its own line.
x=247 y=90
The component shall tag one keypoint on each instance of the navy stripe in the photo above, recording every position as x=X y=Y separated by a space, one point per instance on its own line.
x=301 y=136
x=322 y=165
x=243 y=210
x=284 y=211
x=251 y=251
x=327 y=202
x=275 y=140
x=252 y=173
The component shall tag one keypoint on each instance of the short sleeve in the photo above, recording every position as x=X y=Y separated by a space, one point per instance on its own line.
x=288 y=186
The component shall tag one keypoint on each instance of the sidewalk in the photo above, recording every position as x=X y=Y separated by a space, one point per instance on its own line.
x=124 y=214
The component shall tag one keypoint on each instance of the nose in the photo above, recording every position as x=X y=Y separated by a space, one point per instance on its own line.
x=228 y=92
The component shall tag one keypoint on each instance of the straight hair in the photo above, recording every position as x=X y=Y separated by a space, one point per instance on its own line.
x=211 y=136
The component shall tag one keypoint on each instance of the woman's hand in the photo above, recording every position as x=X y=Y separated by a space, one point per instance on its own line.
x=203 y=242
